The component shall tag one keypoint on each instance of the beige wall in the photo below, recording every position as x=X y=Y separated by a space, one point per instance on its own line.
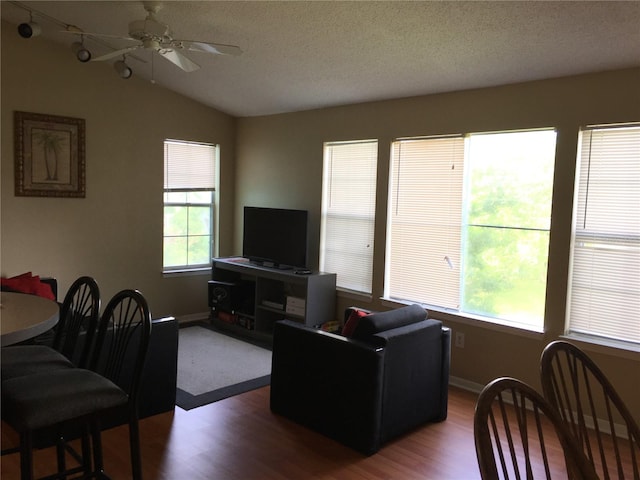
x=115 y=233
x=280 y=163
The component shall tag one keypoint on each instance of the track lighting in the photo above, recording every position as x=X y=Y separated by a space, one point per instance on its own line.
x=123 y=69
x=28 y=30
x=82 y=54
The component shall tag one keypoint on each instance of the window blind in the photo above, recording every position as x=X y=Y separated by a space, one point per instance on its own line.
x=424 y=221
x=605 y=277
x=348 y=213
x=189 y=166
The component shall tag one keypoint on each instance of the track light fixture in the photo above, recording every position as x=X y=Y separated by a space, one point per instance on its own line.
x=82 y=54
x=123 y=69
x=28 y=30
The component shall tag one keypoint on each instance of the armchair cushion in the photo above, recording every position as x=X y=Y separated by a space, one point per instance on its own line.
x=382 y=321
x=328 y=383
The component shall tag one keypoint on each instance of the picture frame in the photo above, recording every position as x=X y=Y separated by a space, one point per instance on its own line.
x=49 y=155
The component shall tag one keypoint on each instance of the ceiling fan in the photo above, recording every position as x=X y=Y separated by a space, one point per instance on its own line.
x=156 y=36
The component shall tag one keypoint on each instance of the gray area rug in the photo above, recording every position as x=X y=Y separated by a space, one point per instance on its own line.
x=213 y=366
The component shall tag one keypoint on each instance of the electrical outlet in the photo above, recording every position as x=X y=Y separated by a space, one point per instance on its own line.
x=459 y=340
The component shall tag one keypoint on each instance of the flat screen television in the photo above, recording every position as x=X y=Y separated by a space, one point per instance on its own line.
x=275 y=236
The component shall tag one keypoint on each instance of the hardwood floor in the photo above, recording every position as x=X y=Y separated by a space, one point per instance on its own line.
x=240 y=439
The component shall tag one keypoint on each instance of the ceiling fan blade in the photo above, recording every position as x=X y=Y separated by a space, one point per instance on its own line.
x=180 y=60
x=73 y=30
x=115 y=53
x=216 y=48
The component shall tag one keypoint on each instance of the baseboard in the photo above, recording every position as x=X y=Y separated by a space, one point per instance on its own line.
x=603 y=425
x=193 y=318
x=465 y=384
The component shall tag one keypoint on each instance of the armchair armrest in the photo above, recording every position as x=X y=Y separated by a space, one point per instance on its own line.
x=415 y=383
x=159 y=376
x=328 y=383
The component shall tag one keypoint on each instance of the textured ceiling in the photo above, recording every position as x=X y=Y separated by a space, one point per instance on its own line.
x=300 y=55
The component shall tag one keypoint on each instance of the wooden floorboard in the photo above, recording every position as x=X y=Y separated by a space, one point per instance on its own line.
x=240 y=439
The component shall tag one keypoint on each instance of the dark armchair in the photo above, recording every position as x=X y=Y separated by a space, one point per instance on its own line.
x=388 y=378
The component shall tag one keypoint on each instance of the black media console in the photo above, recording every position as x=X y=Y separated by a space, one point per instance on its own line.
x=248 y=298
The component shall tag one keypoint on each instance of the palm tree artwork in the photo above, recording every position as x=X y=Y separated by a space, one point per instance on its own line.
x=52 y=144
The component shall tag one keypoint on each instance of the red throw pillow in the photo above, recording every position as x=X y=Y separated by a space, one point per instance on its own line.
x=28 y=283
x=352 y=322
x=19 y=284
x=24 y=275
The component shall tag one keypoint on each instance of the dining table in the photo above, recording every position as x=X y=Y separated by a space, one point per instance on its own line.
x=24 y=316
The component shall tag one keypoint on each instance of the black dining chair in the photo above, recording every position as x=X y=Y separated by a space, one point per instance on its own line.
x=72 y=398
x=582 y=393
x=518 y=434
x=72 y=341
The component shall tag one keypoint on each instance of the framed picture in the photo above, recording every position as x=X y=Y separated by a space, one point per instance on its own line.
x=49 y=155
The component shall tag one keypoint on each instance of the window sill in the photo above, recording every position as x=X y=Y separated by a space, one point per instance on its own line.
x=590 y=343
x=445 y=315
x=616 y=348
x=187 y=272
x=352 y=294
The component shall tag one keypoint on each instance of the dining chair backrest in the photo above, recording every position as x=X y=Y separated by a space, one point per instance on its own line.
x=519 y=435
x=122 y=341
x=79 y=316
x=592 y=410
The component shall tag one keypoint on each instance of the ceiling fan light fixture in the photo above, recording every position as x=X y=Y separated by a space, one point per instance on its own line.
x=124 y=71
x=31 y=29
x=82 y=54
x=151 y=43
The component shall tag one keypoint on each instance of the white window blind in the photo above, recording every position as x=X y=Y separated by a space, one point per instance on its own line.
x=605 y=276
x=189 y=165
x=348 y=213
x=468 y=225
x=424 y=221
x=189 y=189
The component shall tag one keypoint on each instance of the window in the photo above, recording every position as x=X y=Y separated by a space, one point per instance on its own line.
x=604 y=297
x=189 y=187
x=468 y=224
x=348 y=213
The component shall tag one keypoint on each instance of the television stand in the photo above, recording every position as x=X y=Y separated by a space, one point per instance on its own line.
x=249 y=298
x=273 y=265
